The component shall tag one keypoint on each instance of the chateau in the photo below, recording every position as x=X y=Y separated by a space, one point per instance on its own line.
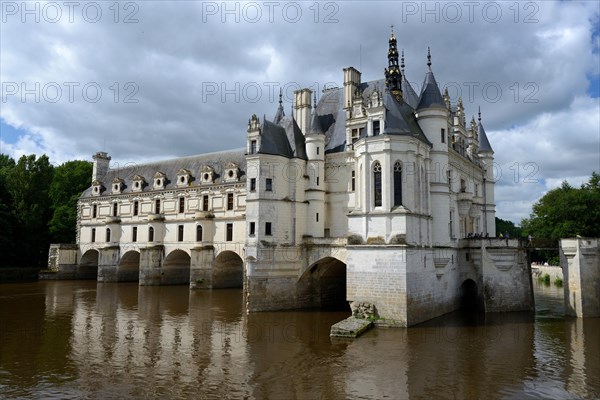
x=365 y=196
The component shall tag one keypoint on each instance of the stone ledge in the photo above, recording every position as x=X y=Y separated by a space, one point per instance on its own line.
x=350 y=327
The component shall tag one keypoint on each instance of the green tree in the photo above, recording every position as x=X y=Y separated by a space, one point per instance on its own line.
x=503 y=226
x=566 y=212
x=27 y=185
x=70 y=180
x=7 y=220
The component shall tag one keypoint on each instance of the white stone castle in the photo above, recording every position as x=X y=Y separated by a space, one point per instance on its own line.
x=364 y=197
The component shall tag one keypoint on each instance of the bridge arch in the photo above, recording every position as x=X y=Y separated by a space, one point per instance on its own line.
x=470 y=297
x=88 y=265
x=228 y=270
x=129 y=267
x=323 y=285
x=176 y=268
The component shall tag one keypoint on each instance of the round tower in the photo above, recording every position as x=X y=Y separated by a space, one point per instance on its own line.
x=315 y=189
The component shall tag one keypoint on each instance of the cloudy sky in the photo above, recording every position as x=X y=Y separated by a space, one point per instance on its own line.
x=148 y=80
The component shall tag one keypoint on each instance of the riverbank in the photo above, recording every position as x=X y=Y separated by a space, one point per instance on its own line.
x=18 y=274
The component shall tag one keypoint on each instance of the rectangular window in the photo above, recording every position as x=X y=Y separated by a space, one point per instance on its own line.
x=317 y=181
x=229 y=233
x=353 y=184
x=253 y=147
x=252 y=229
x=317 y=217
x=115 y=209
x=107 y=235
x=268 y=228
x=93 y=235
x=157 y=206
x=181 y=204
x=252 y=184
x=354 y=135
x=376 y=128
x=136 y=207
x=318 y=150
x=443 y=135
x=151 y=234
x=94 y=211
x=476 y=190
x=134 y=234
x=205 y=203
x=230 y=201
x=180 y=233
x=269 y=185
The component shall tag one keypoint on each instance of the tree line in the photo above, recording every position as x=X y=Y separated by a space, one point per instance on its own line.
x=38 y=206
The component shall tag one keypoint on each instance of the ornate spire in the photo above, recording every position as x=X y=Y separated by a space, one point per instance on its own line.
x=393 y=75
x=402 y=62
x=429 y=57
x=280 y=113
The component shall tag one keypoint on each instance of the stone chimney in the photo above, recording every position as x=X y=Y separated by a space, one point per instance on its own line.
x=351 y=85
x=101 y=165
x=303 y=108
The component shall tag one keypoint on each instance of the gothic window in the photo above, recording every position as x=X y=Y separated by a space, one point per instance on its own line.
x=377 y=184
x=398 y=183
x=198 y=233
x=151 y=234
x=229 y=234
x=376 y=128
x=230 y=201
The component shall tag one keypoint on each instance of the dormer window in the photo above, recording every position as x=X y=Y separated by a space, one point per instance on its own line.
x=184 y=177
x=207 y=174
x=159 y=180
x=138 y=183
x=97 y=188
x=117 y=185
x=232 y=172
x=376 y=128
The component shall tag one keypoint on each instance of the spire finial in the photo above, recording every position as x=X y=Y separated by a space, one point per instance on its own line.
x=479 y=114
x=280 y=96
x=315 y=100
x=429 y=57
x=402 y=62
x=392 y=28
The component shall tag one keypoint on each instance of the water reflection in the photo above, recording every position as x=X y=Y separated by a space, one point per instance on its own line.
x=82 y=339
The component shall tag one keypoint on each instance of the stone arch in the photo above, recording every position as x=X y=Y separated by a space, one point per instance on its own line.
x=323 y=285
x=88 y=265
x=176 y=268
x=228 y=270
x=470 y=298
x=129 y=267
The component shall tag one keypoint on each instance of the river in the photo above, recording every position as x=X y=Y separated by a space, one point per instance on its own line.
x=80 y=339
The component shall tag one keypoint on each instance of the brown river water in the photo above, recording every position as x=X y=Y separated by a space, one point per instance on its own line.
x=80 y=339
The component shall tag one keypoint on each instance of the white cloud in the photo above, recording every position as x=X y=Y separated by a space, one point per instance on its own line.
x=178 y=50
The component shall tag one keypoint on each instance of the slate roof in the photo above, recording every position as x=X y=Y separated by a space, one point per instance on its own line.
x=484 y=143
x=430 y=94
x=170 y=168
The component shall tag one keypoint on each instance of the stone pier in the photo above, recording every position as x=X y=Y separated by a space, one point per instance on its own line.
x=580 y=259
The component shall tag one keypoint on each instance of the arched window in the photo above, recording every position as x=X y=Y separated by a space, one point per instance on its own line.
x=151 y=234
x=198 y=233
x=107 y=235
x=398 y=183
x=377 y=184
